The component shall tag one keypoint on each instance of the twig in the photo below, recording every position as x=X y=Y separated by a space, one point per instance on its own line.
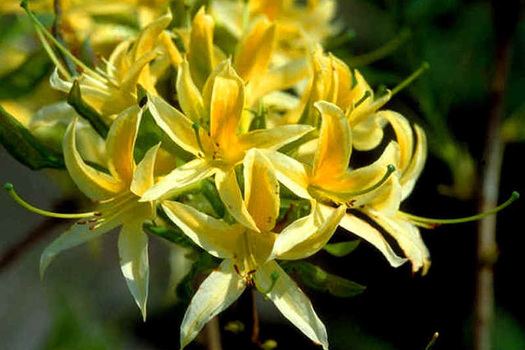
x=255 y=315
x=34 y=236
x=486 y=247
x=213 y=334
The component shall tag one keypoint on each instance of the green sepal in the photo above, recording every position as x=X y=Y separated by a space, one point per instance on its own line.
x=204 y=265
x=342 y=248
x=26 y=77
x=318 y=279
x=74 y=99
x=24 y=147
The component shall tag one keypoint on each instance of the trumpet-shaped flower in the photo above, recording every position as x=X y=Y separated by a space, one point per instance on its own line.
x=118 y=194
x=210 y=132
x=369 y=189
x=113 y=90
x=249 y=255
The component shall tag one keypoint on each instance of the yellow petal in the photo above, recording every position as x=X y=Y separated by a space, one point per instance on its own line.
x=261 y=190
x=254 y=52
x=133 y=256
x=343 y=82
x=273 y=138
x=281 y=78
x=218 y=291
x=121 y=143
x=367 y=232
x=215 y=236
x=200 y=51
x=335 y=140
x=144 y=175
x=368 y=134
x=408 y=238
x=93 y=183
x=174 y=124
x=148 y=37
x=404 y=136
x=308 y=236
x=74 y=236
x=226 y=106
x=415 y=167
x=130 y=80
x=172 y=51
x=292 y=303
x=290 y=172
x=190 y=98
x=355 y=180
x=231 y=196
x=183 y=176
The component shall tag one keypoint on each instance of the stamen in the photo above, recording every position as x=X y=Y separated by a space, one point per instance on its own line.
x=11 y=191
x=430 y=223
x=432 y=341
x=50 y=36
x=196 y=127
x=363 y=99
x=411 y=78
x=381 y=52
x=274 y=276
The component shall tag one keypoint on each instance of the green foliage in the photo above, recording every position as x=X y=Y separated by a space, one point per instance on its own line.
x=212 y=195
x=341 y=249
x=23 y=79
x=204 y=265
x=172 y=234
x=74 y=99
x=318 y=279
x=24 y=147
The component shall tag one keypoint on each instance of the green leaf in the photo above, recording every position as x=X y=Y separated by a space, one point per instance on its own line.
x=24 y=79
x=24 y=147
x=212 y=195
x=74 y=99
x=318 y=279
x=172 y=234
x=204 y=264
x=342 y=249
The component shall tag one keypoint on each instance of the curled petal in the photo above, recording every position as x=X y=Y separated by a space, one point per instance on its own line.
x=222 y=287
x=95 y=184
x=215 y=236
x=144 y=175
x=292 y=302
x=133 y=254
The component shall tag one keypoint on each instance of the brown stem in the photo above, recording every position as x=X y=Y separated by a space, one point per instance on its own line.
x=255 y=315
x=213 y=334
x=487 y=248
x=34 y=236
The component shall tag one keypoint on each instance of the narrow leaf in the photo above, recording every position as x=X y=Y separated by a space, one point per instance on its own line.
x=74 y=99
x=316 y=278
x=24 y=147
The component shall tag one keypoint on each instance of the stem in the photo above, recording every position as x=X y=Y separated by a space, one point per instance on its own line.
x=213 y=334
x=486 y=247
x=381 y=52
x=255 y=315
x=46 y=227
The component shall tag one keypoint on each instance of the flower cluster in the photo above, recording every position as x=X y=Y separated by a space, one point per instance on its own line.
x=242 y=98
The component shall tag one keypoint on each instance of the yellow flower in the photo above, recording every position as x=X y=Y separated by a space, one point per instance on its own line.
x=113 y=90
x=296 y=24
x=249 y=255
x=118 y=194
x=369 y=189
x=216 y=143
x=332 y=81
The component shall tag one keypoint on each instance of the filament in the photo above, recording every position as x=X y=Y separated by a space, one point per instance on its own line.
x=425 y=66
x=274 y=276
x=11 y=191
x=430 y=223
x=196 y=127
